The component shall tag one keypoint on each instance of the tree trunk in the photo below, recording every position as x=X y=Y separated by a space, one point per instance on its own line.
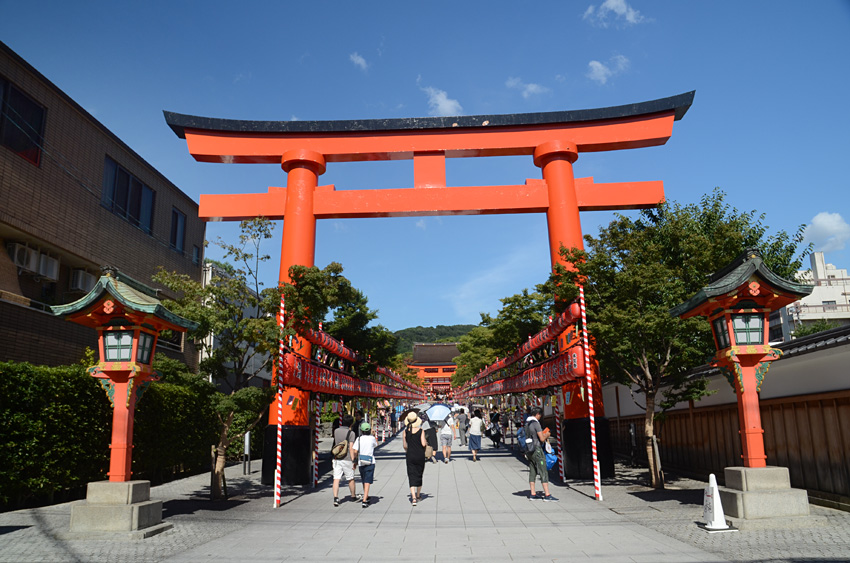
x=219 y=490
x=649 y=432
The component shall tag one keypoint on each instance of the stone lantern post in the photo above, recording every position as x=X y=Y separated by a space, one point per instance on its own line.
x=129 y=319
x=737 y=302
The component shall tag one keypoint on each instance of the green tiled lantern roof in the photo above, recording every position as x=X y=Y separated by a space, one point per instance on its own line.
x=131 y=293
x=737 y=274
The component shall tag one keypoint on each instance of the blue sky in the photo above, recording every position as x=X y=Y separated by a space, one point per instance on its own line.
x=769 y=124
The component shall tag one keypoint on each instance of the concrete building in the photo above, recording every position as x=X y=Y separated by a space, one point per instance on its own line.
x=829 y=300
x=73 y=198
x=255 y=363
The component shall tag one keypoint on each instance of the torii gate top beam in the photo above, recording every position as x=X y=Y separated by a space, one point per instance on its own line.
x=621 y=127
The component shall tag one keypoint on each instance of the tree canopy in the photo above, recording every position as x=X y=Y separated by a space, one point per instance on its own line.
x=636 y=270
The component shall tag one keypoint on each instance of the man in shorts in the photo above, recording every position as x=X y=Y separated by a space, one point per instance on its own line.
x=344 y=467
x=446 y=435
x=364 y=452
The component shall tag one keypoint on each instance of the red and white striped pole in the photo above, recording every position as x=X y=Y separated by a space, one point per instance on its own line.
x=318 y=406
x=280 y=365
x=597 y=485
x=559 y=422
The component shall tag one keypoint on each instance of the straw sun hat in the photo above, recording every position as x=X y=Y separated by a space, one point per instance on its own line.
x=413 y=420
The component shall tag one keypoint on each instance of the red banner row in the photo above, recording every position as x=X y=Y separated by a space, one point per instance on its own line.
x=557 y=371
x=301 y=373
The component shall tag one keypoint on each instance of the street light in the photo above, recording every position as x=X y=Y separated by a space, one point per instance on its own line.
x=128 y=317
x=737 y=302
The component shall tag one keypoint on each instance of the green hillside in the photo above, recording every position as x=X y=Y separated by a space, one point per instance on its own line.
x=407 y=336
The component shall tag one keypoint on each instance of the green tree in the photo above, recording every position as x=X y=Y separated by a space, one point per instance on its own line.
x=635 y=270
x=819 y=325
x=522 y=315
x=476 y=353
x=237 y=331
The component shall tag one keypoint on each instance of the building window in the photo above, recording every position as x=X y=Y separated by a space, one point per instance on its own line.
x=196 y=255
x=178 y=229
x=118 y=345
x=830 y=306
x=721 y=335
x=126 y=196
x=21 y=122
x=749 y=329
x=143 y=352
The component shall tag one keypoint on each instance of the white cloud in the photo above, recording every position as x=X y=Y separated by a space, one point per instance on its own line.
x=618 y=10
x=600 y=72
x=440 y=103
x=482 y=292
x=828 y=231
x=358 y=61
x=420 y=224
x=527 y=90
x=242 y=76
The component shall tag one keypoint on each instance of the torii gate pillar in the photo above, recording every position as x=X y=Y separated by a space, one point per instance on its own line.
x=556 y=158
x=298 y=248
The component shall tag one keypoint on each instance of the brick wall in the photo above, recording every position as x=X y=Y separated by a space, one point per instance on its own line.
x=56 y=206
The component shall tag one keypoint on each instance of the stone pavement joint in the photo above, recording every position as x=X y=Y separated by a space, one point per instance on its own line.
x=469 y=512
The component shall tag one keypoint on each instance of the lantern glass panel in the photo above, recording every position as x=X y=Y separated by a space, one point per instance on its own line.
x=143 y=354
x=721 y=334
x=749 y=328
x=118 y=345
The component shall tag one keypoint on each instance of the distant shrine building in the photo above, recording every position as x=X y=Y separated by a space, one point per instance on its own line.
x=434 y=366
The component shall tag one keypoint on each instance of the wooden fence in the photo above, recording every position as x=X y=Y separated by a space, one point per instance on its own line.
x=808 y=434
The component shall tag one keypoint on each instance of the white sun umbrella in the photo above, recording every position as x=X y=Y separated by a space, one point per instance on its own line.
x=439 y=412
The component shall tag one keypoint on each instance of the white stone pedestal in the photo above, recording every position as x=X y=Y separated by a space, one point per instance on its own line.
x=762 y=497
x=114 y=509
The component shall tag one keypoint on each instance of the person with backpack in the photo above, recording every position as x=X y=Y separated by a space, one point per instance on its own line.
x=535 y=436
x=476 y=430
x=364 y=451
x=343 y=457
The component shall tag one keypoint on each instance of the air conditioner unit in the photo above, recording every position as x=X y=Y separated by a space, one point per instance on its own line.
x=24 y=257
x=83 y=281
x=48 y=267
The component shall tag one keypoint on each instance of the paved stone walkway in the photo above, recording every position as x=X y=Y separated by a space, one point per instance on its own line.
x=470 y=512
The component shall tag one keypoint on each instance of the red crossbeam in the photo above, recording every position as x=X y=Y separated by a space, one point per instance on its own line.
x=532 y=197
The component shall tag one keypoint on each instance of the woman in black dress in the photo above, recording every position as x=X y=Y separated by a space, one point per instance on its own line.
x=414 y=444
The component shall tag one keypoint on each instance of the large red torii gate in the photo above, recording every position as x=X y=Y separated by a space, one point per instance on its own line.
x=553 y=139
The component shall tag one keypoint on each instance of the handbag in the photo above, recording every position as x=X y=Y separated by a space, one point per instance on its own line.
x=429 y=452
x=362 y=459
x=551 y=460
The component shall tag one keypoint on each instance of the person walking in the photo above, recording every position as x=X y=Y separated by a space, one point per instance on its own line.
x=495 y=428
x=431 y=440
x=364 y=453
x=344 y=467
x=537 y=458
x=476 y=430
x=462 y=426
x=414 y=444
x=446 y=434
